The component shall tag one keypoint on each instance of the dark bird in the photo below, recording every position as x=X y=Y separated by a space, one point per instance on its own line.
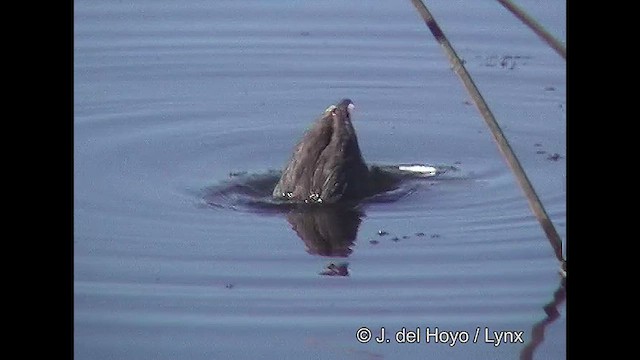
x=326 y=166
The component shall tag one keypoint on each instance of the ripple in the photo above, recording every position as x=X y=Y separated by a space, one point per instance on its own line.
x=182 y=109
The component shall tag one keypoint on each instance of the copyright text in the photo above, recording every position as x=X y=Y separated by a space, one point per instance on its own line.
x=435 y=335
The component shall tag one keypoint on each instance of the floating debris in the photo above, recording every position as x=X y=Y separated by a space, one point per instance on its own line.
x=541 y=152
x=419 y=234
x=554 y=157
x=549 y=88
x=237 y=173
x=395 y=239
x=229 y=286
x=506 y=61
x=382 y=233
x=336 y=270
x=435 y=236
x=374 y=242
x=406 y=237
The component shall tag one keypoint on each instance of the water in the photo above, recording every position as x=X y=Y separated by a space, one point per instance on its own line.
x=173 y=97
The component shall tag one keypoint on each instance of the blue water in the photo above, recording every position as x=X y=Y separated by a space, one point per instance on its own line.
x=173 y=97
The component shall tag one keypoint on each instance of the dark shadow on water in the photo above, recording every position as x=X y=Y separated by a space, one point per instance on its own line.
x=252 y=192
x=326 y=229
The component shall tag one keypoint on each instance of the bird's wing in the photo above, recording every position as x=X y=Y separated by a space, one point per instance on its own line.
x=305 y=157
x=329 y=178
x=340 y=170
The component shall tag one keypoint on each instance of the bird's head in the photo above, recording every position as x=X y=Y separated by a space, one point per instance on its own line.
x=345 y=105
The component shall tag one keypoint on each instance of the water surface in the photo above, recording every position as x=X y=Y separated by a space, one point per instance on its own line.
x=174 y=98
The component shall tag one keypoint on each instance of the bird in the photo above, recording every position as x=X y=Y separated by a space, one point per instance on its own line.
x=327 y=165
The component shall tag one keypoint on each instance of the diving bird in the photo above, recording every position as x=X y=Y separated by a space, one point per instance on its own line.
x=327 y=165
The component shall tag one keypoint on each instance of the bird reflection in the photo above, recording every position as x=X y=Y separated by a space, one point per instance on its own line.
x=327 y=231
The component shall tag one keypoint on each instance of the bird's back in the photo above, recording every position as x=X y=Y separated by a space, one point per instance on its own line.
x=327 y=165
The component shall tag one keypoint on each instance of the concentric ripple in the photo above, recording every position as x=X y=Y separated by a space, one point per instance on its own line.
x=181 y=110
